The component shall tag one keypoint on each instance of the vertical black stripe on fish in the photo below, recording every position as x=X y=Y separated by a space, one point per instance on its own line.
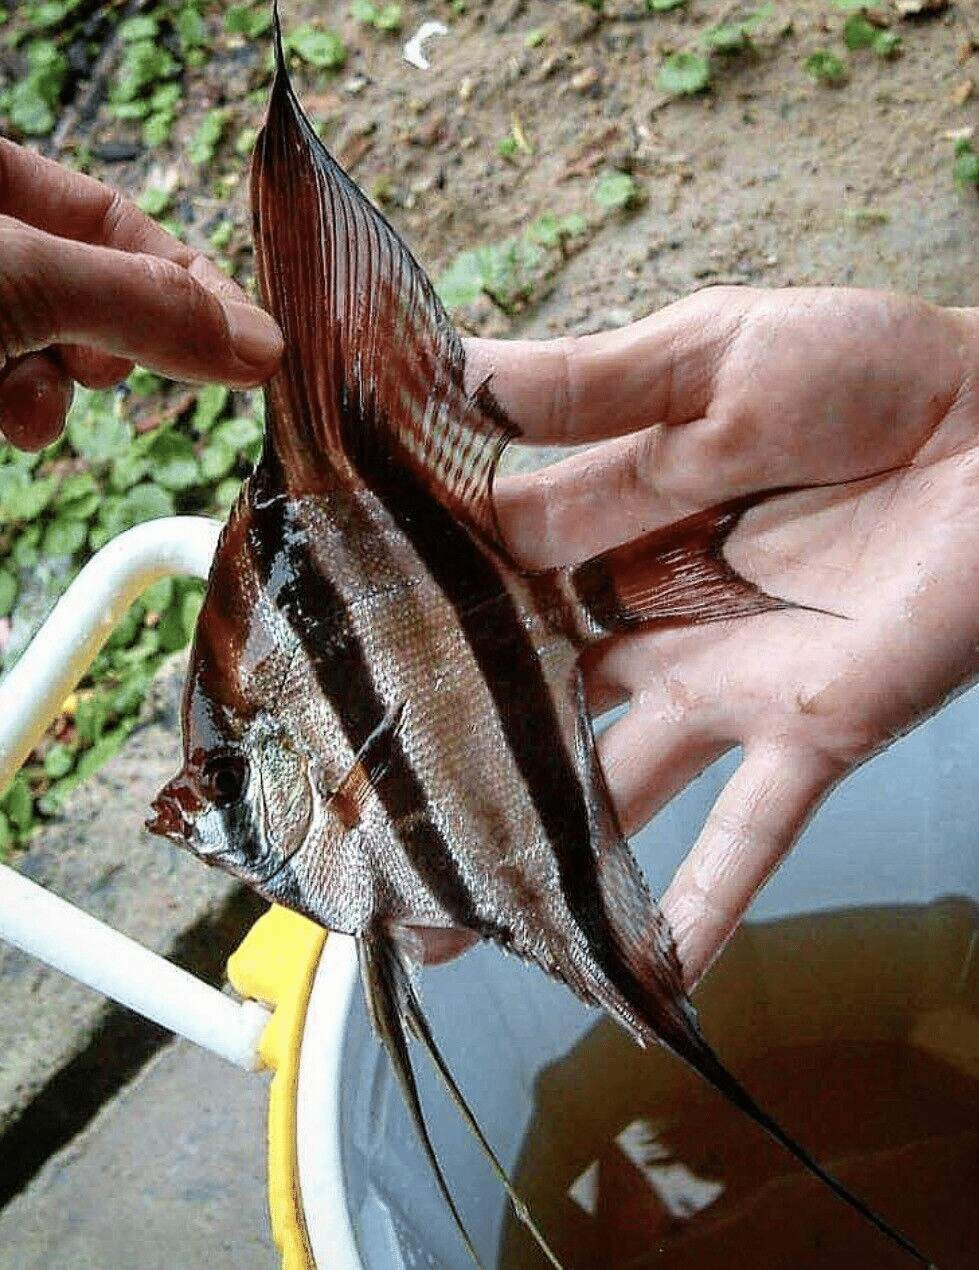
x=511 y=669
x=317 y=614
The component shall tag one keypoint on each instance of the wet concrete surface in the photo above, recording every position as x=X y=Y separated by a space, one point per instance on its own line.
x=120 y=1148
x=171 y=1173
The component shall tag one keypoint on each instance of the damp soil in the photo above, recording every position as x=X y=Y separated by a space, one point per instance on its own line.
x=769 y=176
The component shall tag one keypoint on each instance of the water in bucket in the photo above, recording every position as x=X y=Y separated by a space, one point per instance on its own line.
x=850 y=1007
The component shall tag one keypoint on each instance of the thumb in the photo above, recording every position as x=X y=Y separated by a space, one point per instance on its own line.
x=133 y=306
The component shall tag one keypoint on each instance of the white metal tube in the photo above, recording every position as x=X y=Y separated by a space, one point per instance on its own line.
x=82 y=620
x=40 y=923
x=79 y=945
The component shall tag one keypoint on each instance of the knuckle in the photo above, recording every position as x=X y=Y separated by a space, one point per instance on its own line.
x=197 y=317
x=122 y=224
x=115 y=218
x=28 y=311
x=566 y=396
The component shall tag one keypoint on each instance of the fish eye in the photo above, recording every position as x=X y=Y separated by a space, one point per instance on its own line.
x=223 y=778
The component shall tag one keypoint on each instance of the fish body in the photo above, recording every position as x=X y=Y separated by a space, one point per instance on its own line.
x=384 y=718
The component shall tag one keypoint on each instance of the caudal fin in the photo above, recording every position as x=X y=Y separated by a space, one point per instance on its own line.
x=674 y=576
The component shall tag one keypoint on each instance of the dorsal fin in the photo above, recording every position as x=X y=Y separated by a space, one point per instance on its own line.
x=373 y=368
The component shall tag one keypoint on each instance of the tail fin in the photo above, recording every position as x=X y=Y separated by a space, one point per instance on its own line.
x=393 y=1004
x=674 y=576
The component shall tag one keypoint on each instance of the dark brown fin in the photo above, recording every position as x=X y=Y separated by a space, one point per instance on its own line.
x=368 y=768
x=373 y=368
x=674 y=576
x=691 y=1046
x=395 y=1008
x=652 y=991
x=383 y=977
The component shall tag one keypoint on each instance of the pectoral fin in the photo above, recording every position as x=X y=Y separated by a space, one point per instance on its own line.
x=367 y=770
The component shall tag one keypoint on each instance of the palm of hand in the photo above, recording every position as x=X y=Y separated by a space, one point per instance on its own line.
x=818 y=388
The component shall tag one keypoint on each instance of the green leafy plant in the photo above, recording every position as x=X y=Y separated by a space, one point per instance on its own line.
x=144 y=86
x=190 y=26
x=965 y=169
x=50 y=14
x=154 y=201
x=860 y=33
x=250 y=20
x=683 y=74
x=382 y=17
x=736 y=37
x=826 y=67
x=212 y=127
x=518 y=269
x=618 y=192
x=31 y=104
x=322 y=49
x=522 y=269
x=686 y=72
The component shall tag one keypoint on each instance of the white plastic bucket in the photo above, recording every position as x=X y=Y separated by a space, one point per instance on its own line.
x=903 y=830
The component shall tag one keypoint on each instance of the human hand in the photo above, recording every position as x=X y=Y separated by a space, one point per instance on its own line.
x=89 y=286
x=729 y=391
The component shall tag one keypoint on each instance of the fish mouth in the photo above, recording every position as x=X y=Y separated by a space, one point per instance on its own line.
x=177 y=807
x=169 y=821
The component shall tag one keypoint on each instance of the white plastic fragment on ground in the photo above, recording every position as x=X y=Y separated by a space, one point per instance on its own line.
x=413 y=51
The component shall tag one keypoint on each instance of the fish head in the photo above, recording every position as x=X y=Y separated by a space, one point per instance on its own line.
x=257 y=793
x=244 y=800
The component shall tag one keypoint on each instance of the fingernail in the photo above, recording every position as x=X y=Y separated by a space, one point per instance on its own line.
x=255 y=336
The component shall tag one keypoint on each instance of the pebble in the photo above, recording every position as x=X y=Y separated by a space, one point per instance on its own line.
x=586 y=80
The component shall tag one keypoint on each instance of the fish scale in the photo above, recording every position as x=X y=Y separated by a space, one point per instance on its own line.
x=384 y=719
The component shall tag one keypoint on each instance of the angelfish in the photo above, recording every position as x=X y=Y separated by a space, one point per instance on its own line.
x=384 y=721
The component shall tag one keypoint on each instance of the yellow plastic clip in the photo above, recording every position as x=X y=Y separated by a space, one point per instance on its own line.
x=275 y=963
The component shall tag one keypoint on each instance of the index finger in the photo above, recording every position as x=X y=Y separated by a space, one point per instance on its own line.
x=68 y=204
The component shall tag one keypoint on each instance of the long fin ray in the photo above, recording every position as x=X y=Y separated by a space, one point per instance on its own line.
x=693 y=1048
x=386 y=977
x=373 y=368
x=383 y=978
x=640 y=984
x=419 y=1025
